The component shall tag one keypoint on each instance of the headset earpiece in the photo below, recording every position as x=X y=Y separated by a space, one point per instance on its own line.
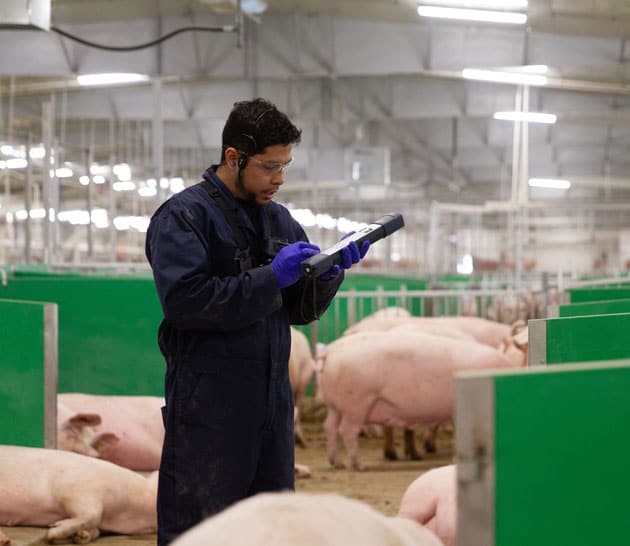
x=233 y=164
x=242 y=161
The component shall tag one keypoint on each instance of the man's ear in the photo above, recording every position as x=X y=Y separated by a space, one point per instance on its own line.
x=231 y=156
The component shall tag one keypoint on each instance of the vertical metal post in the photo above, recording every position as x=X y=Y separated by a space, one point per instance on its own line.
x=51 y=374
x=47 y=180
x=112 y=194
x=522 y=175
x=28 y=196
x=239 y=24
x=351 y=307
x=88 y=154
x=10 y=115
x=434 y=222
x=55 y=193
x=158 y=137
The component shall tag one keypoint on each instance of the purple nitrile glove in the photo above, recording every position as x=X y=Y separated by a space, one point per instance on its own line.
x=350 y=255
x=287 y=265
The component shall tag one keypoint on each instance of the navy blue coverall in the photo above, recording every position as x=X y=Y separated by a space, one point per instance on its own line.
x=226 y=340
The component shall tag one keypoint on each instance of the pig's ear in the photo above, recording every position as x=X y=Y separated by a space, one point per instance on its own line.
x=81 y=420
x=104 y=442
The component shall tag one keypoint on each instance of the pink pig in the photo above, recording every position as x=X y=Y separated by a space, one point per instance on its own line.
x=307 y=519
x=301 y=369
x=431 y=500
x=76 y=496
x=400 y=379
x=133 y=425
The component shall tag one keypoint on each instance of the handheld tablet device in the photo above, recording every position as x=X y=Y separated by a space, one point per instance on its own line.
x=322 y=262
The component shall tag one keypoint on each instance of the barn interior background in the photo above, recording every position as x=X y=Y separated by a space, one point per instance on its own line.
x=399 y=112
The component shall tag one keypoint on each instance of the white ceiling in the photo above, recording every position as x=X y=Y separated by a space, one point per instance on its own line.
x=352 y=73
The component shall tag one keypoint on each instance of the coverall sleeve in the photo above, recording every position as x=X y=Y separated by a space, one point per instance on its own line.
x=193 y=298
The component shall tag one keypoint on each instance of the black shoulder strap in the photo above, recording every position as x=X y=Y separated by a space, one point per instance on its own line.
x=242 y=254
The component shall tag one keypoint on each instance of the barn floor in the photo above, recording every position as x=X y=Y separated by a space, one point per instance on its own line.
x=380 y=485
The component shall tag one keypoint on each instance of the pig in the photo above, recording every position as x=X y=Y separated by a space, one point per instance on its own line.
x=134 y=424
x=395 y=380
x=430 y=327
x=431 y=500
x=76 y=496
x=390 y=312
x=4 y=539
x=301 y=369
x=484 y=331
x=285 y=519
x=77 y=432
x=301 y=471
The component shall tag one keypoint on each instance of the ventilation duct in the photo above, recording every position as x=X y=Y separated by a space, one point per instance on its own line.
x=25 y=14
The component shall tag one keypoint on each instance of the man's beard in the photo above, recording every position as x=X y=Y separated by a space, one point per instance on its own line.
x=240 y=186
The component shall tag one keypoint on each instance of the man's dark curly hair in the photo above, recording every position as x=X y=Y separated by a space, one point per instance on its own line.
x=253 y=125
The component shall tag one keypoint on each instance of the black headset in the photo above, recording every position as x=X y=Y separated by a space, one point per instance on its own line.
x=244 y=157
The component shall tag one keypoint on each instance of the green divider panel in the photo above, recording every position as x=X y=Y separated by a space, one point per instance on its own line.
x=542 y=456
x=107 y=332
x=581 y=295
x=28 y=367
x=594 y=308
x=579 y=339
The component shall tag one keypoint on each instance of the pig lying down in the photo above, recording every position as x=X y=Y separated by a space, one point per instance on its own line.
x=286 y=519
x=431 y=500
x=126 y=430
x=76 y=496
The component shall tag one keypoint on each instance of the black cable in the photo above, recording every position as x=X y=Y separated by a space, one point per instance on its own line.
x=229 y=28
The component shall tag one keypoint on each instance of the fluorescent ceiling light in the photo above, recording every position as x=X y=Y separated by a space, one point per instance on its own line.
x=503 y=77
x=62 y=172
x=533 y=117
x=482 y=4
x=111 y=79
x=551 y=183
x=16 y=163
x=484 y=16
x=37 y=152
x=123 y=186
x=533 y=68
x=255 y=7
x=147 y=191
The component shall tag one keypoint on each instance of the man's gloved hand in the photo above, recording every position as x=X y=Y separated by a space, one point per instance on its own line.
x=350 y=255
x=287 y=265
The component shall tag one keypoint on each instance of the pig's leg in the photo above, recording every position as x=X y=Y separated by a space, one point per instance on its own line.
x=4 y=539
x=389 y=449
x=410 y=446
x=331 y=426
x=350 y=433
x=81 y=526
x=430 y=439
x=297 y=427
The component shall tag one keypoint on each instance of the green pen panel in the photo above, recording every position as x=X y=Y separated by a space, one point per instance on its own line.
x=542 y=456
x=579 y=339
x=562 y=458
x=581 y=295
x=28 y=370
x=594 y=308
x=107 y=331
